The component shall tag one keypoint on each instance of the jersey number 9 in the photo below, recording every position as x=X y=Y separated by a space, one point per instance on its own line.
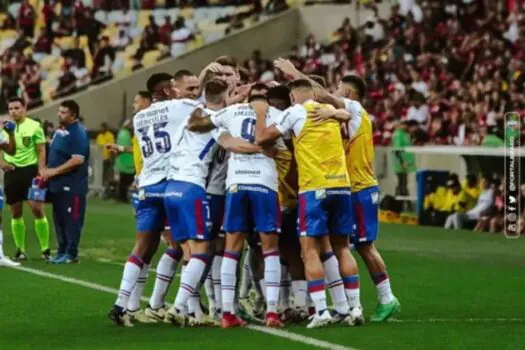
x=248 y=130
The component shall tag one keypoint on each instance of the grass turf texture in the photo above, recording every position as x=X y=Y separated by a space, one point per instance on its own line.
x=458 y=290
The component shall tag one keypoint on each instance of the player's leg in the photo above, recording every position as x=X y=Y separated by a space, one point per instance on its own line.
x=266 y=213
x=74 y=224
x=4 y=260
x=313 y=231
x=344 y=268
x=16 y=193
x=191 y=208
x=58 y=202
x=41 y=227
x=236 y=221
x=133 y=307
x=216 y=274
x=164 y=273
x=150 y=213
x=365 y=209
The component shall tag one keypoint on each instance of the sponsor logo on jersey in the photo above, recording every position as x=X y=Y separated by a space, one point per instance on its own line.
x=320 y=194
x=247 y=172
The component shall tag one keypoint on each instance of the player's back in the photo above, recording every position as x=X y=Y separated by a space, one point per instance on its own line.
x=155 y=128
x=190 y=161
x=239 y=120
x=216 y=183
x=359 y=147
x=319 y=153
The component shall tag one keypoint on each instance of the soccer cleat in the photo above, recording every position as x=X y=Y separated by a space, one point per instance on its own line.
x=248 y=317
x=385 y=311
x=20 y=256
x=230 y=321
x=59 y=259
x=356 y=317
x=320 y=320
x=119 y=317
x=287 y=316
x=140 y=316
x=177 y=317
x=300 y=315
x=72 y=260
x=5 y=261
x=46 y=255
x=156 y=314
x=272 y=320
x=259 y=308
x=339 y=318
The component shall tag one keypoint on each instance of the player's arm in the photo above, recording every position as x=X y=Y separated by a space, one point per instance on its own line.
x=112 y=147
x=319 y=113
x=237 y=145
x=263 y=135
x=321 y=95
x=200 y=122
x=78 y=154
x=9 y=147
x=40 y=148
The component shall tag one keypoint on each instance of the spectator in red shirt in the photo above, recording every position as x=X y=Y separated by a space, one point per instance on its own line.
x=165 y=31
x=49 y=15
x=26 y=18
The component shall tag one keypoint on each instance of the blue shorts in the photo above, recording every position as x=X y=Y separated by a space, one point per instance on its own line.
x=135 y=200
x=252 y=208
x=216 y=203
x=327 y=211
x=365 y=208
x=1 y=199
x=188 y=211
x=150 y=213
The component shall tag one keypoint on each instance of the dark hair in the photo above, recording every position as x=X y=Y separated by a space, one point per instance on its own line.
x=280 y=92
x=144 y=94
x=72 y=106
x=318 y=79
x=214 y=88
x=258 y=86
x=358 y=83
x=257 y=97
x=300 y=83
x=227 y=61
x=155 y=80
x=16 y=99
x=244 y=75
x=182 y=73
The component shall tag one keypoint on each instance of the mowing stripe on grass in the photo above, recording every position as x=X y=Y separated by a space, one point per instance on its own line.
x=276 y=332
x=462 y=320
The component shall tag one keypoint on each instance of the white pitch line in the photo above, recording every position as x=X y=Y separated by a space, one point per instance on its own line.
x=111 y=262
x=276 y=332
x=455 y=320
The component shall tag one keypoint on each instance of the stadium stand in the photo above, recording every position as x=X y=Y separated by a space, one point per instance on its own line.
x=50 y=49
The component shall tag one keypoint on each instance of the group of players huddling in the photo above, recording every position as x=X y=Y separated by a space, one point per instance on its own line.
x=286 y=168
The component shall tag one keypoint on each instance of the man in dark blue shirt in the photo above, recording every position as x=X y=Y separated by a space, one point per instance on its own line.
x=67 y=177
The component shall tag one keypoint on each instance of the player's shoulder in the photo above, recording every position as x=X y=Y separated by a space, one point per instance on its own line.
x=352 y=106
x=31 y=123
x=190 y=103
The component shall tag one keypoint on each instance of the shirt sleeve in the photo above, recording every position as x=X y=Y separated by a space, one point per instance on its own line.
x=3 y=137
x=220 y=119
x=79 y=143
x=287 y=121
x=39 y=136
x=356 y=112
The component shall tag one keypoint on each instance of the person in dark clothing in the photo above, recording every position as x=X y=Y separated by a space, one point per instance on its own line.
x=92 y=30
x=67 y=177
x=76 y=53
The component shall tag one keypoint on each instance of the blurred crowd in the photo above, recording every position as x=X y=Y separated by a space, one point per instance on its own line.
x=94 y=61
x=454 y=69
x=474 y=203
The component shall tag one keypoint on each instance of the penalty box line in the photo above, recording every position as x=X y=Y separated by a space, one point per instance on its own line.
x=272 y=331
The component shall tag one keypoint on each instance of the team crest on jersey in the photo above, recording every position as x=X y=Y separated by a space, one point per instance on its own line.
x=233 y=189
x=320 y=194
x=375 y=197
x=26 y=141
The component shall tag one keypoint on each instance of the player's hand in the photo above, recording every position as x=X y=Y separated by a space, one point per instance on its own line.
x=240 y=94
x=319 y=114
x=9 y=126
x=287 y=67
x=214 y=67
x=6 y=167
x=195 y=117
x=47 y=173
x=111 y=147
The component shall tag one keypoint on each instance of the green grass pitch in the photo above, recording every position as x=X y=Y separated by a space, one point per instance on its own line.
x=458 y=290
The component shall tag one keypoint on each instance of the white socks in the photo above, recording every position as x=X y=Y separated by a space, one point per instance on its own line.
x=190 y=278
x=228 y=280
x=129 y=278
x=333 y=278
x=164 y=275
x=216 y=276
x=299 y=293
x=134 y=299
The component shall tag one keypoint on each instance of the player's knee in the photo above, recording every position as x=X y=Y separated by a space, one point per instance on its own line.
x=366 y=249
